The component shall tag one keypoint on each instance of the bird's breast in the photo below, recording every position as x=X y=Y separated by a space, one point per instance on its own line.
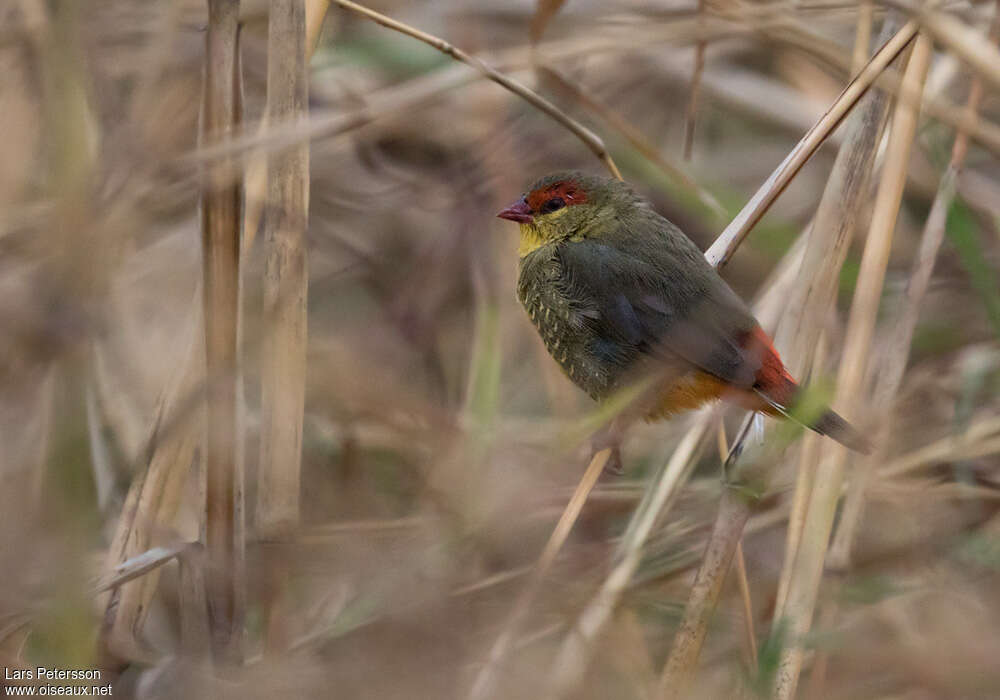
x=563 y=331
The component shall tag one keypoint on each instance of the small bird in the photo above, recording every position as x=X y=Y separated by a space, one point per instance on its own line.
x=620 y=295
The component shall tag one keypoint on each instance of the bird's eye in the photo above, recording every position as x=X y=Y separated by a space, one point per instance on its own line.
x=552 y=205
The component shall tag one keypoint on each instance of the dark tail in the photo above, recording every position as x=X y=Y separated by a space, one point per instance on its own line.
x=833 y=426
x=829 y=423
x=781 y=395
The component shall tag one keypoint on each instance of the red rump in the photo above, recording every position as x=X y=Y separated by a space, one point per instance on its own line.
x=568 y=190
x=772 y=378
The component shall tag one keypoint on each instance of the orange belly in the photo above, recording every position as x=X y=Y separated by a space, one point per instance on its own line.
x=685 y=394
x=699 y=388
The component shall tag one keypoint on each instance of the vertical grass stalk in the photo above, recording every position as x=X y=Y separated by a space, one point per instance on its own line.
x=221 y=218
x=890 y=378
x=808 y=565
x=283 y=356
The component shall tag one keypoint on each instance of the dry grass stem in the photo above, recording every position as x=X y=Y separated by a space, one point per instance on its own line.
x=571 y=660
x=890 y=378
x=862 y=36
x=734 y=511
x=691 y=111
x=544 y=12
x=762 y=200
x=284 y=313
x=195 y=632
x=483 y=686
x=742 y=580
x=979 y=440
x=283 y=353
x=808 y=565
x=970 y=45
x=635 y=138
x=221 y=222
x=799 y=335
x=256 y=168
x=588 y=137
x=139 y=566
x=154 y=496
x=744 y=584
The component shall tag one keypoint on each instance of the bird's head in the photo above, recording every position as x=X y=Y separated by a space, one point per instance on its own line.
x=566 y=205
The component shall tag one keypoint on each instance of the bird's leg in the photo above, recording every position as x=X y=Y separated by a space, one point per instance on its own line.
x=610 y=437
x=736 y=449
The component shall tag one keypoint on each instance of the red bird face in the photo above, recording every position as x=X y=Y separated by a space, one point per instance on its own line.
x=544 y=200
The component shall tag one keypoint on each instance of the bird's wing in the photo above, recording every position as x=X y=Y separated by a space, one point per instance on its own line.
x=651 y=300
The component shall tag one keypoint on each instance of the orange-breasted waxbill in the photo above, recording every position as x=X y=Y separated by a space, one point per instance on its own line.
x=618 y=293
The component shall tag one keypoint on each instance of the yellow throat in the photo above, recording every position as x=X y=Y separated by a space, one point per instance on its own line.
x=539 y=232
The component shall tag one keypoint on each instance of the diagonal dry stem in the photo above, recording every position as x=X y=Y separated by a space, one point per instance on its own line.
x=588 y=137
x=734 y=511
x=851 y=179
x=485 y=680
x=657 y=499
x=741 y=572
x=635 y=138
x=571 y=660
x=154 y=496
x=765 y=196
x=969 y=44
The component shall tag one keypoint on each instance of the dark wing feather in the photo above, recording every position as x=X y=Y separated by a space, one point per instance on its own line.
x=661 y=301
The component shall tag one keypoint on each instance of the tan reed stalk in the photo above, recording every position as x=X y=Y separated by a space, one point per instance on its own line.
x=804 y=481
x=283 y=352
x=747 y=599
x=256 y=170
x=191 y=594
x=741 y=572
x=742 y=580
x=734 y=511
x=812 y=298
x=221 y=221
x=808 y=564
x=285 y=290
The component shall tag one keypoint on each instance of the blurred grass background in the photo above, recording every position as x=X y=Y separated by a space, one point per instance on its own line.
x=440 y=443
